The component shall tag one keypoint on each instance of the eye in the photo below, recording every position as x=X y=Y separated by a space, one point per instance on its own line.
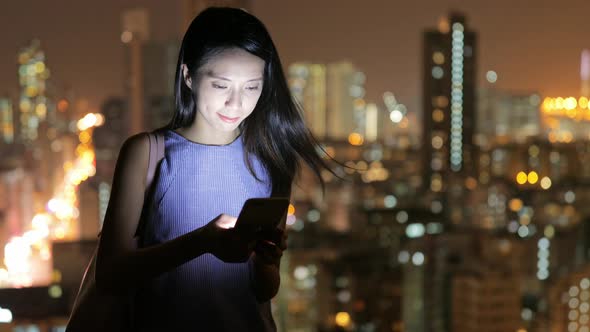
x=252 y=88
x=218 y=86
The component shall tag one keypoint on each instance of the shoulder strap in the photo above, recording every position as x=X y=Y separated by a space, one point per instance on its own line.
x=156 y=155
x=156 y=139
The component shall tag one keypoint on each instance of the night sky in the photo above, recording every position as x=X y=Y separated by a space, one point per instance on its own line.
x=534 y=45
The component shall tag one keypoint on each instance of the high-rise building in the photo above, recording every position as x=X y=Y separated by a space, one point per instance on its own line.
x=345 y=103
x=332 y=100
x=107 y=143
x=449 y=67
x=135 y=24
x=151 y=69
x=487 y=301
x=567 y=119
x=585 y=73
x=191 y=8
x=508 y=117
x=569 y=302
x=108 y=139
x=159 y=69
x=6 y=121
x=308 y=86
x=449 y=278
x=33 y=104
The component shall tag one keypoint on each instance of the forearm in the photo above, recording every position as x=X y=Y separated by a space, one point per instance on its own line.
x=117 y=274
x=266 y=279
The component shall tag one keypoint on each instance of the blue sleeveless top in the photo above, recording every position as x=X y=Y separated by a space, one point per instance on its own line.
x=195 y=184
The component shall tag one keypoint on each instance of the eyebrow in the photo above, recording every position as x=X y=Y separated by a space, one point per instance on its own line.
x=211 y=74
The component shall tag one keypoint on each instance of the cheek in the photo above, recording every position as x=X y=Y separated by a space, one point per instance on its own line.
x=251 y=102
x=210 y=102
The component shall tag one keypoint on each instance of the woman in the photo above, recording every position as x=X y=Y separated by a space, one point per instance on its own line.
x=236 y=134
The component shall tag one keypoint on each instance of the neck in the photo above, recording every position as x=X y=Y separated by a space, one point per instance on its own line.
x=203 y=137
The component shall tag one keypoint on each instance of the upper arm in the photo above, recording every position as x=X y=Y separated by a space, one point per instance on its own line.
x=126 y=200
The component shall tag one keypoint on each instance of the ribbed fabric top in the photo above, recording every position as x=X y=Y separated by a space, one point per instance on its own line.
x=195 y=184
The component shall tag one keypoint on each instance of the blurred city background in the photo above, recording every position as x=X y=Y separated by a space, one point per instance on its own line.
x=466 y=126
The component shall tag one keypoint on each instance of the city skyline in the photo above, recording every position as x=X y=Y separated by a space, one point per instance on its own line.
x=480 y=224
x=534 y=50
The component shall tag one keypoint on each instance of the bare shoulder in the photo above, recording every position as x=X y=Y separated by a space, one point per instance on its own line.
x=135 y=146
x=127 y=193
x=134 y=154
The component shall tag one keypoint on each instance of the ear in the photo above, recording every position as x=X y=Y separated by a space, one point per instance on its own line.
x=187 y=78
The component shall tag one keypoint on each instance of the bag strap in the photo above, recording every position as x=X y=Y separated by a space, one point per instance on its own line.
x=156 y=155
x=157 y=150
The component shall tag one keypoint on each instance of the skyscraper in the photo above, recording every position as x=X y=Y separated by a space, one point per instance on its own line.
x=6 y=121
x=191 y=8
x=151 y=69
x=159 y=69
x=308 y=86
x=569 y=300
x=135 y=33
x=332 y=98
x=33 y=103
x=448 y=101
x=508 y=116
x=585 y=73
x=345 y=92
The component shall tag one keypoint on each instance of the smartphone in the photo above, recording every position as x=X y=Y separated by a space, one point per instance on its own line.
x=260 y=216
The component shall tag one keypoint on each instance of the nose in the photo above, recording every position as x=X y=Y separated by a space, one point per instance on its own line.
x=234 y=99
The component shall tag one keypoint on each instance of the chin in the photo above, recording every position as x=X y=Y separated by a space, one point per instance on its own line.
x=226 y=127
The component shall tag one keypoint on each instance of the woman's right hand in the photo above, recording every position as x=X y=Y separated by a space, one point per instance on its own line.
x=227 y=243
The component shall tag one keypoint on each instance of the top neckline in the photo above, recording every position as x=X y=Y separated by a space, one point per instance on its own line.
x=234 y=142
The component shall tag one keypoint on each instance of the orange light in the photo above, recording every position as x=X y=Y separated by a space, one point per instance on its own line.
x=342 y=319
x=355 y=139
x=291 y=210
x=359 y=103
x=62 y=105
x=471 y=183
x=84 y=137
x=515 y=204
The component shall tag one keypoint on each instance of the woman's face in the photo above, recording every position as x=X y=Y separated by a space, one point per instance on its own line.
x=228 y=88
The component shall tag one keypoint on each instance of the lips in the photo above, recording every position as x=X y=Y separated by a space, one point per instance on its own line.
x=228 y=119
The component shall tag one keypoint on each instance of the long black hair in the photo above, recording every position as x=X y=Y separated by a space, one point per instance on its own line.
x=275 y=131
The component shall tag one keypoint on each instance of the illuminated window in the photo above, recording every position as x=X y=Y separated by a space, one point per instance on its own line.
x=436 y=183
x=440 y=101
x=437 y=72
x=491 y=76
x=437 y=142
x=438 y=115
x=457 y=96
x=436 y=164
x=438 y=58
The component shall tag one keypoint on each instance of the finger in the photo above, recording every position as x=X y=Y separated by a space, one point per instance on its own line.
x=267 y=257
x=269 y=249
x=226 y=221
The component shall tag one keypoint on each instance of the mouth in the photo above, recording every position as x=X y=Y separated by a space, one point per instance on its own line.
x=228 y=119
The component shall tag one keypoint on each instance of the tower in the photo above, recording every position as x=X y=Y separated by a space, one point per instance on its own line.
x=585 y=73
x=449 y=65
x=33 y=104
x=135 y=33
